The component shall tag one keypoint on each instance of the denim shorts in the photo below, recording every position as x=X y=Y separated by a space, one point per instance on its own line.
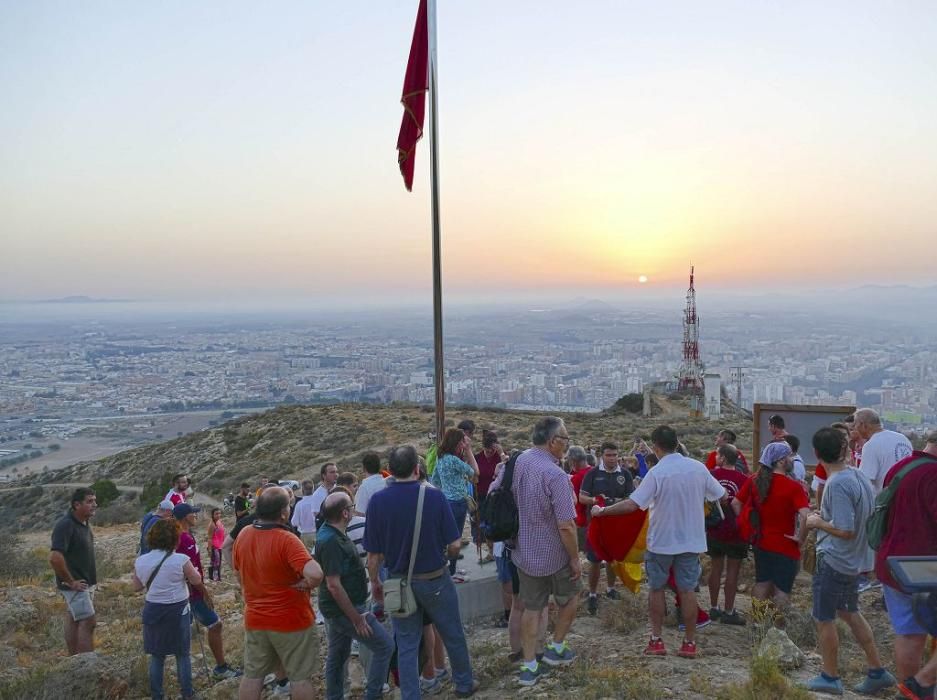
x=203 y=614
x=833 y=591
x=686 y=570
x=901 y=612
x=80 y=603
x=507 y=572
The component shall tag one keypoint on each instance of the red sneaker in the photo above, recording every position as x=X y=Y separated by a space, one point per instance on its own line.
x=687 y=650
x=655 y=647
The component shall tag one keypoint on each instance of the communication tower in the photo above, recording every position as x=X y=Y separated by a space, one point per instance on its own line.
x=691 y=371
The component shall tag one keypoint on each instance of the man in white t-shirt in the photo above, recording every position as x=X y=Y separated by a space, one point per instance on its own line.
x=371 y=484
x=674 y=491
x=304 y=515
x=179 y=491
x=883 y=449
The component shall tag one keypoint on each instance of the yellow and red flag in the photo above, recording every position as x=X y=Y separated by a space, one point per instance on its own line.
x=415 y=86
x=620 y=540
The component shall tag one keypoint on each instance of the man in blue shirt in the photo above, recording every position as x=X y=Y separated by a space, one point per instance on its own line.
x=388 y=539
x=163 y=512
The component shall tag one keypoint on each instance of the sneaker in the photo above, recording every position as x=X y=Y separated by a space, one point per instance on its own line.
x=355 y=648
x=222 y=672
x=593 y=604
x=612 y=594
x=655 y=647
x=281 y=690
x=912 y=690
x=732 y=618
x=866 y=584
x=528 y=677
x=515 y=657
x=430 y=686
x=871 y=686
x=386 y=690
x=470 y=692
x=716 y=613
x=442 y=675
x=552 y=657
x=460 y=578
x=687 y=650
x=820 y=684
x=702 y=620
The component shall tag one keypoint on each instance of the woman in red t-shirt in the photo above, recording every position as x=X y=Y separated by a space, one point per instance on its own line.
x=780 y=508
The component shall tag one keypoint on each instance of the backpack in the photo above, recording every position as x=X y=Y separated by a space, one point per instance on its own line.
x=876 y=527
x=749 y=520
x=499 y=519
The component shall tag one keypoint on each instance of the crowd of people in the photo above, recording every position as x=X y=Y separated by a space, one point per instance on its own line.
x=375 y=563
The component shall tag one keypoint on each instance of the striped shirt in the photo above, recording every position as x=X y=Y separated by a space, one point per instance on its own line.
x=544 y=499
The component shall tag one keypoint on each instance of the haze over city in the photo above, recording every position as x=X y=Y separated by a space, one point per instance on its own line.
x=232 y=153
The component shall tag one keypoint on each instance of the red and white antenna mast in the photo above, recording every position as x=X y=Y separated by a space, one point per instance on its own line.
x=691 y=371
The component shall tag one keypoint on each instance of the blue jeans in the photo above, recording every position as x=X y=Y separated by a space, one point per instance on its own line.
x=438 y=598
x=183 y=673
x=341 y=631
x=459 y=511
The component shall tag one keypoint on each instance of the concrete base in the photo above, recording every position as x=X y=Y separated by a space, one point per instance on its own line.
x=480 y=595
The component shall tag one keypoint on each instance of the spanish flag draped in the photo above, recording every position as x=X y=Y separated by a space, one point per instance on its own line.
x=620 y=540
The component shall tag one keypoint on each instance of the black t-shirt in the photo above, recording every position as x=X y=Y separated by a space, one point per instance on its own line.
x=241 y=524
x=338 y=556
x=241 y=505
x=75 y=541
x=614 y=486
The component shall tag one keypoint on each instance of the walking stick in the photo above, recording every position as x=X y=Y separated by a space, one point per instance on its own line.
x=201 y=645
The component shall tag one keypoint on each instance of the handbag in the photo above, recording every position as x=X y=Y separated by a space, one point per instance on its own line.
x=399 y=600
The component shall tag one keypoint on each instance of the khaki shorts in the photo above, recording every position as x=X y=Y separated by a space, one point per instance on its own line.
x=299 y=652
x=309 y=539
x=536 y=590
x=80 y=603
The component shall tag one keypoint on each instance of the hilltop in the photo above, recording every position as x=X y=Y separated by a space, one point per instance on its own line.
x=294 y=441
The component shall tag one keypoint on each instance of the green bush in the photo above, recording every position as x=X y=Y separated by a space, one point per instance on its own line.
x=153 y=491
x=106 y=492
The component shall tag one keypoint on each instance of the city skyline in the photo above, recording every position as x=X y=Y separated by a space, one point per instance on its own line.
x=219 y=152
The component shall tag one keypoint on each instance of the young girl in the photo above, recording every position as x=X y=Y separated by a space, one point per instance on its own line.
x=216 y=535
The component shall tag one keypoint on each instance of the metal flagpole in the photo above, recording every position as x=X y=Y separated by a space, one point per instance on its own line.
x=439 y=377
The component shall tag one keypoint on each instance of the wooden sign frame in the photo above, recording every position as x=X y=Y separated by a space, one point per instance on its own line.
x=806 y=451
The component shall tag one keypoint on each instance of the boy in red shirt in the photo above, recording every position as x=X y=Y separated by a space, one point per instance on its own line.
x=725 y=546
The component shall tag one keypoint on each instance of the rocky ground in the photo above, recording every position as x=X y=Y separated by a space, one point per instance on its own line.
x=610 y=665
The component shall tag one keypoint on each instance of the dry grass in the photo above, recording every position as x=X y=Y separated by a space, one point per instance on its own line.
x=589 y=681
x=767 y=682
x=626 y=615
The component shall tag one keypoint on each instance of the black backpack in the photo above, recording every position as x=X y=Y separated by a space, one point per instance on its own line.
x=499 y=520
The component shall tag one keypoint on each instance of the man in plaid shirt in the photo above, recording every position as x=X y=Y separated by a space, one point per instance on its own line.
x=546 y=552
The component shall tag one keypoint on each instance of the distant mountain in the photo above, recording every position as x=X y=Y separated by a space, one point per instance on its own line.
x=79 y=299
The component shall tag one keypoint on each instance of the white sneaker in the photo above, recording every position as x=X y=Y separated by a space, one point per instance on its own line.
x=281 y=690
x=354 y=647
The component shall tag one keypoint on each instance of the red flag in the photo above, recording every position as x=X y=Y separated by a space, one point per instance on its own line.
x=415 y=85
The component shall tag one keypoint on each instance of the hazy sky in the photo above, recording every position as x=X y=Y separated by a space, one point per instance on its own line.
x=222 y=150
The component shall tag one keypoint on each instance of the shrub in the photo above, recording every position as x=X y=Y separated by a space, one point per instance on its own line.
x=117 y=513
x=632 y=403
x=106 y=492
x=767 y=683
x=153 y=491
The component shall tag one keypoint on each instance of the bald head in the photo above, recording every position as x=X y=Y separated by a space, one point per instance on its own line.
x=273 y=503
x=334 y=507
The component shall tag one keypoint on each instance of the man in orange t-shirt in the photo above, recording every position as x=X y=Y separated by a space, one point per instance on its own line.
x=276 y=574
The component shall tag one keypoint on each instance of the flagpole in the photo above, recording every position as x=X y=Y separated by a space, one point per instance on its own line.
x=439 y=376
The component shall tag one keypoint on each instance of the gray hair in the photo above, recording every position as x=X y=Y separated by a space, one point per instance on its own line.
x=868 y=416
x=576 y=454
x=545 y=429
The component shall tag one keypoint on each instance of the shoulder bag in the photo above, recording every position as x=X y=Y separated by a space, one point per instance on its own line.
x=399 y=600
